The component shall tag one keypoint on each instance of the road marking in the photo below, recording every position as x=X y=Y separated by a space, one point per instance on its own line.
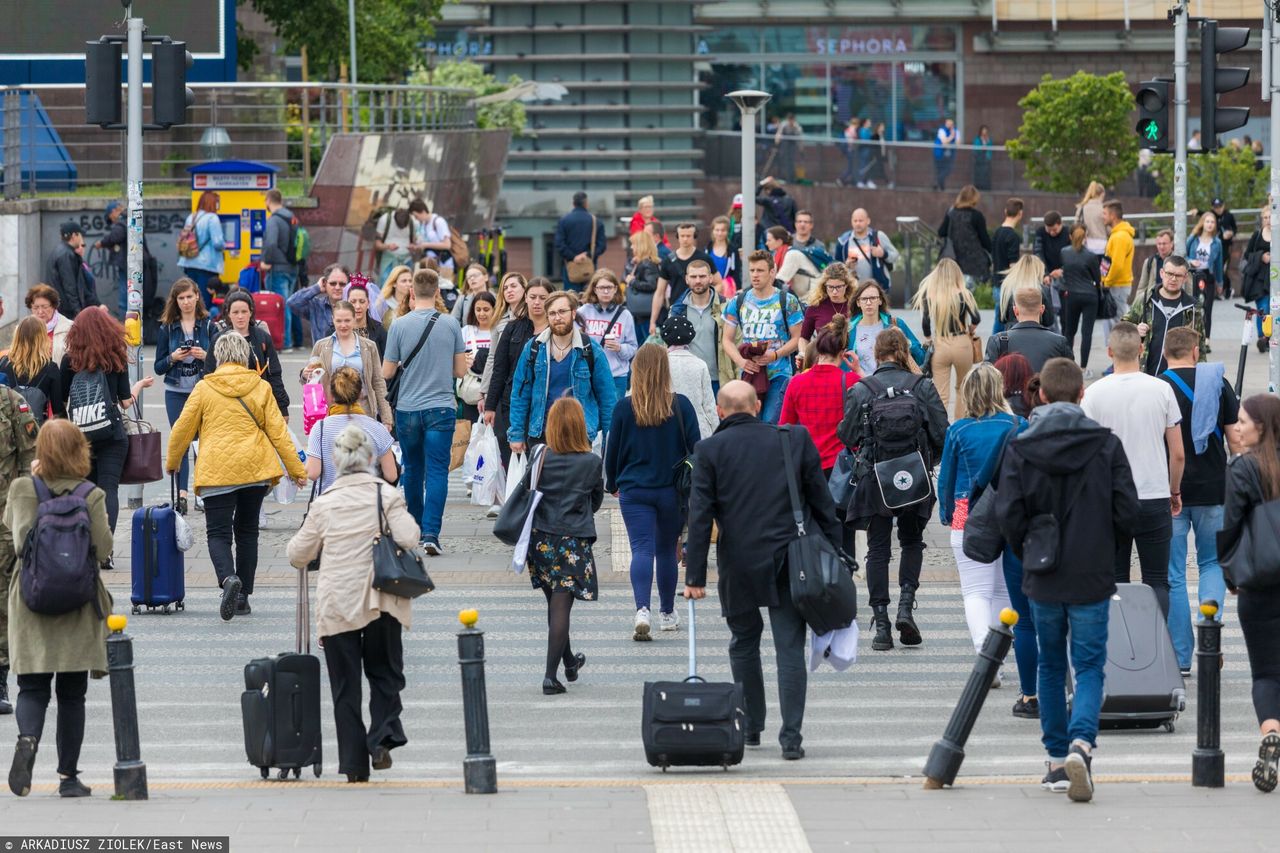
x=731 y=818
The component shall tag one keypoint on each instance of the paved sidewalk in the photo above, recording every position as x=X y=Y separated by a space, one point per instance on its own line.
x=678 y=813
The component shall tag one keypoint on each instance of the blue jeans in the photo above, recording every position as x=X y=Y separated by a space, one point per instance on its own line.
x=173 y=403
x=1025 y=652
x=1206 y=521
x=653 y=520
x=426 y=438
x=282 y=283
x=620 y=386
x=771 y=408
x=201 y=278
x=1087 y=628
x=715 y=388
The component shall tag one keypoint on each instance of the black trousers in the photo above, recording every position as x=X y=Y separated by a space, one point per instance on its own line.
x=1151 y=534
x=377 y=650
x=106 y=464
x=910 y=541
x=234 y=515
x=1260 y=622
x=789 y=633
x=1079 y=313
x=33 y=701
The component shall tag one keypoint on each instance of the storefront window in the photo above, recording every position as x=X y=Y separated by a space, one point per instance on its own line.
x=718 y=112
x=792 y=39
x=926 y=96
x=799 y=90
x=862 y=90
x=730 y=40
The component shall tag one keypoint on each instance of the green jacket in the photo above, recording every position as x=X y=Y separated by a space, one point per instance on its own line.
x=1143 y=311
x=17 y=440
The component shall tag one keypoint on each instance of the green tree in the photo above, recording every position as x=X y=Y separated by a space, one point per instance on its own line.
x=1226 y=174
x=388 y=33
x=464 y=74
x=1076 y=130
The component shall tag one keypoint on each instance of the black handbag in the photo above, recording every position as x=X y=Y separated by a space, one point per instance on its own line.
x=982 y=540
x=518 y=505
x=1253 y=562
x=820 y=577
x=1042 y=544
x=682 y=472
x=1106 y=305
x=843 y=482
x=396 y=570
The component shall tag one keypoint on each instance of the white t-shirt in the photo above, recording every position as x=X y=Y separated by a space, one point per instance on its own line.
x=1138 y=408
x=436 y=230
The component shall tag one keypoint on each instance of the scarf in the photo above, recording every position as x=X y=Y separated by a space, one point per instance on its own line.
x=354 y=409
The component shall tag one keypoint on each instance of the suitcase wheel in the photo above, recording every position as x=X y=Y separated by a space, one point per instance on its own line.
x=1168 y=726
x=136 y=610
x=297 y=772
x=316 y=768
x=284 y=773
x=265 y=771
x=181 y=605
x=165 y=610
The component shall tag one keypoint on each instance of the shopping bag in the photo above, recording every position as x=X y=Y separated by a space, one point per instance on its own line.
x=286 y=490
x=515 y=473
x=315 y=405
x=461 y=441
x=489 y=483
x=472 y=454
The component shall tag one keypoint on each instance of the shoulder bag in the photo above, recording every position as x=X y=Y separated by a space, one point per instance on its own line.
x=1042 y=544
x=1253 y=562
x=142 y=459
x=682 y=472
x=820 y=577
x=842 y=480
x=517 y=510
x=580 y=272
x=397 y=571
x=981 y=538
x=393 y=384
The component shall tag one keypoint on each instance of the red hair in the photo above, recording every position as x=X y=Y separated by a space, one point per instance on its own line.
x=96 y=342
x=208 y=201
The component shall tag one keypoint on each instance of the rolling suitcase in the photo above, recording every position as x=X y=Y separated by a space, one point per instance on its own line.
x=281 y=703
x=1143 y=687
x=692 y=723
x=269 y=308
x=158 y=567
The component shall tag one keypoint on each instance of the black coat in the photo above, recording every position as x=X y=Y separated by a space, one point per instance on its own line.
x=572 y=486
x=967 y=229
x=1040 y=471
x=65 y=273
x=506 y=354
x=1032 y=340
x=1256 y=283
x=753 y=511
x=1244 y=492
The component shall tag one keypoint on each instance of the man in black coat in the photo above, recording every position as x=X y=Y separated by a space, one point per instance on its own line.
x=65 y=272
x=1029 y=336
x=573 y=238
x=1075 y=470
x=737 y=483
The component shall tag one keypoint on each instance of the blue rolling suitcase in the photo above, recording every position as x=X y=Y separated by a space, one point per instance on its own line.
x=159 y=578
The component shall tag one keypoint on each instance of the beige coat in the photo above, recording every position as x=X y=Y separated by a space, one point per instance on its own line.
x=340 y=528
x=374 y=396
x=72 y=642
x=60 y=338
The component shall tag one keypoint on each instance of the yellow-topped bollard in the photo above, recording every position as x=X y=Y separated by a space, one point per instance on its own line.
x=1008 y=617
x=479 y=768
x=1209 y=609
x=116 y=623
x=468 y=617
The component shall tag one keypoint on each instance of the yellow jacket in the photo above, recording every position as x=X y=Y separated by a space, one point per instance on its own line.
x=1120 y=251
x=233 y=450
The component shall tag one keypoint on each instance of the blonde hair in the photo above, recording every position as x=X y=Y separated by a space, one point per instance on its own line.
x=232 y=349
x=652 y=399
x=818 y=292
x=942 y=293
x=1094 y=191
x=31 y=349
x=982 y=391
x=643 y=247
x=1199 y=229
x=644 y=199
x=1027 y=271
x=967 y=197
x=353 y=451
x=389 y=283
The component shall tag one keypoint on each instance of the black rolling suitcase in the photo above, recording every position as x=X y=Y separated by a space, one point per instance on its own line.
x=1143 y=687
x=692 y=723
x=281 y=703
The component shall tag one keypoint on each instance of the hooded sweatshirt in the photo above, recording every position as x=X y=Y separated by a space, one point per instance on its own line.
x=1120 y=251
x=1073 y=468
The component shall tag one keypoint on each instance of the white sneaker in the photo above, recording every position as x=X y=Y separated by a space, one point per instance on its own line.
x=1089 y=374
x=871 y=185
x=668 y=621
x=642 y=625
x=493 y=511
x=997 y=682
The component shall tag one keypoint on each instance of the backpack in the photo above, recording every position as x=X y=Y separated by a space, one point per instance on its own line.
x=188 y=241
x=36 y=399
x=893 y=419
x=817 y=255
x=59 y=571
x=782 y=302
x=91 y=406
x=298 y=243
x=588 y=353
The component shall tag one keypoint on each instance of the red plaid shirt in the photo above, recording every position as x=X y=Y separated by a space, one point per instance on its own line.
x=815 y=400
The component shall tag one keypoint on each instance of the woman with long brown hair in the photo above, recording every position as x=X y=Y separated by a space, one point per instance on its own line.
x=828 y=297
x=529 y=319
x=182 y=347
x=651 y=432
x=560 y=561
x=206 y=227
x=950 y=319
x=1253 y=478
x=30 y=371
x=95 y=370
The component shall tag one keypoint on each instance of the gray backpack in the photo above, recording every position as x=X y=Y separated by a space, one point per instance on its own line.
x=59 y=565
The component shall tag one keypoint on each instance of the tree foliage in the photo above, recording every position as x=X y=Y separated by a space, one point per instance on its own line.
x=464 y=74
x=1227 y=174
x=388 y=34
x=1076 y=130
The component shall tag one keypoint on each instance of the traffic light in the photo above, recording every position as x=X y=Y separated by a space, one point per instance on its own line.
x=170 y=96
x=1153 y=115
x=102 y=83
x=1214 y=81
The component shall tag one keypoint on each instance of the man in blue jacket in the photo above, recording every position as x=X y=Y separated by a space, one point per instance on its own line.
x=579 y=237
x=559 y=362
x=316 y=301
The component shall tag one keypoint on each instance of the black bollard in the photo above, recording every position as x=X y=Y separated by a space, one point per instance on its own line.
x=948 y=754
x=130 y=771
x=1208 y=762
x=479 y=770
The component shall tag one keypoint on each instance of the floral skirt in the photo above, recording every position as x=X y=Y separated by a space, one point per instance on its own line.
x=562 y=563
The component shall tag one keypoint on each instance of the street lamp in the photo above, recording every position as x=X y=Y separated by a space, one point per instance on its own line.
x=750 y=102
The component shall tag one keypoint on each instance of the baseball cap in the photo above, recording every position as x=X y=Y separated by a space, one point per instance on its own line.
x=737 y=200
x=1217 y=202
x=70 y=227
x=112 y=207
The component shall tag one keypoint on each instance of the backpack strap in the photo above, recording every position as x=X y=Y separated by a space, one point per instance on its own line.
x=42 y=491
x=83 y=490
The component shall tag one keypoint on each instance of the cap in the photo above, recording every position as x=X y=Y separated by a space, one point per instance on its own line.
x=70 y=227
x=112 y=207
x=677 y=331
x=1217 y=202
x=737 y=200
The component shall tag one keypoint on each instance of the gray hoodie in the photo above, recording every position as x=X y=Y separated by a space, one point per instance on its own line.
x=277 y=242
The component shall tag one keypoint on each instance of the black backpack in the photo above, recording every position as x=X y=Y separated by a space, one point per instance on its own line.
x=92 y=407
x=36 y=399
x=59 y=565
x=893 y=420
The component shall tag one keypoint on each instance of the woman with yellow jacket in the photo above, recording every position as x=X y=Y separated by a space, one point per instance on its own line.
x=243 y=440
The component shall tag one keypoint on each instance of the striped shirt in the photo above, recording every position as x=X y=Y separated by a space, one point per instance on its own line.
x=323 y=434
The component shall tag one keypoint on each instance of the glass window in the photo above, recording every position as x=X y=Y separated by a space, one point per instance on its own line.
x=926 y=95
x=730 y=40
x=718 y=112
x=799 y=90
x=793 y=39
x=862 y=90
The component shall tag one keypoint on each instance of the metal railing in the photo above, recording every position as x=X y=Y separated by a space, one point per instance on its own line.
x=286 y=125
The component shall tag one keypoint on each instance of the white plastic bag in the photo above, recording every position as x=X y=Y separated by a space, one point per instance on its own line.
x=182 y=534
x=488 y=484
x=515 y=473
x=286 y=490
x=472 y=455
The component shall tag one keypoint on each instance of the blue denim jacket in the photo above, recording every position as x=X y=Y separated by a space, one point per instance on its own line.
x=970 y=456
x=170 y=337
x=208 y=228
x=593 y=389
x=313 y=303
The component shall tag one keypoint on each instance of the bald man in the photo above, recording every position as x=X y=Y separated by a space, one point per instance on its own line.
x=735 y=484
x=866 y=250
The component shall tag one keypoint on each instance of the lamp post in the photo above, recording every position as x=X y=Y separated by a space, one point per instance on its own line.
x=750 y=102
x=351 y=38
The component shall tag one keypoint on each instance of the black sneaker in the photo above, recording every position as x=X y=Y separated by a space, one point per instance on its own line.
x=381 y=758
x=1027 y=709
x=230 y=592
x=751 y=738
x=242 y=605
x=1055 y=779
x=24 y=761
x=1079 y=769
x=73 y=787
x=792 y=753
x=1266 y=773
x=1185 y=671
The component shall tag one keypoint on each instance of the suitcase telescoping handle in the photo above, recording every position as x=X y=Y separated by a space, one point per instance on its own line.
x=693 y=647
x=303 y=614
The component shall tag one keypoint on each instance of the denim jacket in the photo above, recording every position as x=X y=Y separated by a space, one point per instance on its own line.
x=313 y=303
x=171 y=337
x=208 y=228
x=970 y=455
x=593 y=389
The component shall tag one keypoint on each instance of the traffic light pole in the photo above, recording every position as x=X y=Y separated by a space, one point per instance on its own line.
x=1180 y=35
x=1273 y=84
x=133 y=201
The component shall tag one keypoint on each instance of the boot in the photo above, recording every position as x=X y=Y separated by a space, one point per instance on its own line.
x=5 y=707
x=908 y=631
x=883 y=641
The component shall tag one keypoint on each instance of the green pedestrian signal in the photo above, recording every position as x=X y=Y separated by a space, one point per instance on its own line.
x=1153 y=115
x=1150 y=131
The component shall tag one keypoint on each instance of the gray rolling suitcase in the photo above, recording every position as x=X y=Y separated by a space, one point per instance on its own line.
x=1144 y=688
